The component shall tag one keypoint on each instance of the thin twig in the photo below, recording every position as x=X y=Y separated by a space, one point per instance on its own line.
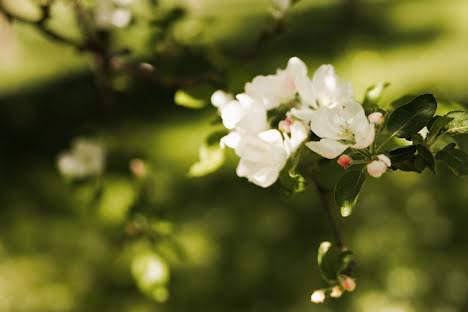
x=277 y=28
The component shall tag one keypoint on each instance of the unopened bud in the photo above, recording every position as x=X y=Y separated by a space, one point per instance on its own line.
x=376 y=168
x=344 y=161
x=336 y=292
x=285 y=125
x=348 y=283
x=138 y=167
x=385 y=160
x=376 y=118
x=318 y=296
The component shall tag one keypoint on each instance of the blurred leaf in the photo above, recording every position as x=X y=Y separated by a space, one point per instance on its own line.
x=408 y=119
x=215 y=137
x=402 y=153
x=459 y=124
x=436 y=126
x=347 y=190
x=441 y=142
x=211 y=158
x=456 y=159
x=372 y=96
x=182 y=98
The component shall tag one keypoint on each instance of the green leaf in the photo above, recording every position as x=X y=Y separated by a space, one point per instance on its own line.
x=333 y=261
x=436 y=127
x=347 y=190
x=405 y=99
x=215 y=137
x=211 y=158
x=401 y=154
x=372 y=97
x=408 y=119
x=410 y=164
x=182 y=98
x=426 y=156
x=459 y=124
x=322 y=251
x=456 y=159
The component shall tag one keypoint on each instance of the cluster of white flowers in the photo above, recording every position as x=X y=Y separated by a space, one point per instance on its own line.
x=322 y=105
x=85 y=158
x=111 y=13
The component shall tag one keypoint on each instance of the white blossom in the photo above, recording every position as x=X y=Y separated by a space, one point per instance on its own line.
x=221 y=98
x=280 y=7
x=273 y=90
x=244 y=114
x=85 y=158
x=318 y=296
x=340 y=126
x=110 y=13
x=325 y=89
x=378 y=167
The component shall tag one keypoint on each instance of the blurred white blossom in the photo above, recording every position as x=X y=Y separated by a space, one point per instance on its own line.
x=113 y=13
x=280 y=7
x=85 y=158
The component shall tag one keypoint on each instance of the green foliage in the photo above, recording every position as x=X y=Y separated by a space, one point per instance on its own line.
x=458 y=124
x=405 y=99
x=347 y=190
x=372 y=96
x=402 y=153
x=292 y=181
x=408 y=119
x=332 y=261
x=424 y=158
x=437 y=127
x=182 y=98
x=211 y=158
x=456 y=159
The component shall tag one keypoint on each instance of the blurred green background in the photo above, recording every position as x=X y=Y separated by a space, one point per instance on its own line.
x=229 y=245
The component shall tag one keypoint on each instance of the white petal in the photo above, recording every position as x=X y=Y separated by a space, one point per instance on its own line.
x=383 y=158
x=231 y=114
x=327 y=148
x=272 y=136
x=304 y=113
x=365 y=139
x=299 y=134
x=231 y=140
x=376 y=168
x=327 y=122
x=221 y=98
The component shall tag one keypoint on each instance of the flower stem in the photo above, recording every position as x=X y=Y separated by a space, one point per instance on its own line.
x=322 y=192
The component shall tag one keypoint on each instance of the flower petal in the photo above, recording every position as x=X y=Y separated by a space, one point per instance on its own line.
x=327 y=148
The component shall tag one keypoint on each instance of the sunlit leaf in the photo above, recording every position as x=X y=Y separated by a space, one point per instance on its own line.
x=436 y=127
x=347 y=190
x=211 y=158
x=182 y=98
x=372 y=96
x=459 y=124
x=408 y=119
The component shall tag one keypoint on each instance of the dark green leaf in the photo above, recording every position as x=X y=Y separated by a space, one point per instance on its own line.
x=459 y=124
x=290 y=180
x=405 y=99
x=456 y=159
x=410 y=164
x=347 y=190
x=372 y=97
x=426 y=157
x=408 y=119
x=436 y=127
x=402 y=153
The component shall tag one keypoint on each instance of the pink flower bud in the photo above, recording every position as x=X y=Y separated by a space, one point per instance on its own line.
x=344 y=161
x=336 y=292
x=318 y=296
x=138 y=167
x=376 y=118
x=285 y=125
x=376 y=168
x=348 y=283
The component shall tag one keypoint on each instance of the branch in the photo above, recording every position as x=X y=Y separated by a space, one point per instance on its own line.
x=277 y=28
x=41 y=25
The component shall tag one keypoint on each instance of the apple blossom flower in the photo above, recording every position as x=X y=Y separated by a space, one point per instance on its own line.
x=340 y=127
x=86 y=158
x=344 y=161
x=318 y=296
x=244 y=114
x=273 y=90
x=285 y=125
x=298 y=134
x=376 y=118
x=325 y=89
x=378 y=167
